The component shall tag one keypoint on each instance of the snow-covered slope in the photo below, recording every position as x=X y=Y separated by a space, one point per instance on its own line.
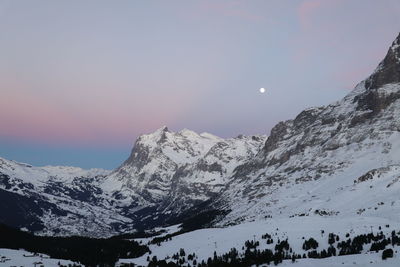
x=56 y=200
x=12 y=257
x=204 y=242
x=309 y=165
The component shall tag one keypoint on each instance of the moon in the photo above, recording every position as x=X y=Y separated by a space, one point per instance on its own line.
x=262 y=90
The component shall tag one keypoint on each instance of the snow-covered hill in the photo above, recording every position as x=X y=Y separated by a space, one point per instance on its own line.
x=204 y=243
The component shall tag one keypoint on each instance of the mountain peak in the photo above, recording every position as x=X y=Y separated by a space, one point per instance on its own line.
x=388 y=71
x=162 y=129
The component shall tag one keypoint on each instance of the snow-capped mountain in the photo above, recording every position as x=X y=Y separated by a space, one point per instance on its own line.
x=166 y=174
x=146 y=176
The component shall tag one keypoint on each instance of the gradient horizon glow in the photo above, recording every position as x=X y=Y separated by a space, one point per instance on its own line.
x=80 y=80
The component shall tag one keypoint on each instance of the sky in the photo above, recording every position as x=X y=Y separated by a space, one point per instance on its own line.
x=81 y=80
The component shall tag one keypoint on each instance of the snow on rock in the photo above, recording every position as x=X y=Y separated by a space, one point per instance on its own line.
x=173 y=171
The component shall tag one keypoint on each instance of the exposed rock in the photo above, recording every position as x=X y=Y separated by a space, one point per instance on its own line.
x=388 y=70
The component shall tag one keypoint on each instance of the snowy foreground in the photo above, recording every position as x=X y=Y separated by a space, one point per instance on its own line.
x=373 y=260
x=205 y=241
x=11 y=257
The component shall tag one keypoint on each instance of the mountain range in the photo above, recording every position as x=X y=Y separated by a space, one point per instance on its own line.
x=342 y=159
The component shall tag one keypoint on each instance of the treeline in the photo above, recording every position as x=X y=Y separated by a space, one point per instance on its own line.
x=190 y=222
x=252 y=255
x=87 y=251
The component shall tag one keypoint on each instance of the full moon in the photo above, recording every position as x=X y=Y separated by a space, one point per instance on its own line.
x=262 y=90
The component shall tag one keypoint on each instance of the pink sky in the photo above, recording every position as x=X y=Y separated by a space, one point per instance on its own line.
x=99 y=73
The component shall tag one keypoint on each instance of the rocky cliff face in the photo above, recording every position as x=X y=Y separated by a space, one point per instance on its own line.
x=168 y=173
x=388 y=71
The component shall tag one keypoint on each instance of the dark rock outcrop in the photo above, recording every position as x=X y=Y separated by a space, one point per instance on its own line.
x=388 y=70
